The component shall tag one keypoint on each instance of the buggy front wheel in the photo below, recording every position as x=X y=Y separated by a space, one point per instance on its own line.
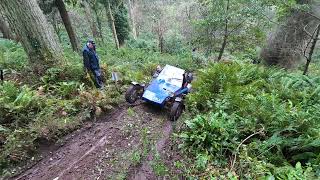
x=133 y=94
x=176 y=111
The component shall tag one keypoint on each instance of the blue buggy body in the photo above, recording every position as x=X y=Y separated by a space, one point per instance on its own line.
x=167 y=89
x=168 y=84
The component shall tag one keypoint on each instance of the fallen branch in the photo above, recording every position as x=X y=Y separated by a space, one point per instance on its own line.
x=243 y=141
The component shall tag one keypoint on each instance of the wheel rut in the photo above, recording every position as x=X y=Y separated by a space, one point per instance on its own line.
x=104 y=149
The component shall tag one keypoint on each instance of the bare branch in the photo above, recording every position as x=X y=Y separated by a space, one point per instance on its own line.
x=309 y=34
x=235 y=28
x=243 y=141
x=311 y=39
x=318 y=18
x=313 y=43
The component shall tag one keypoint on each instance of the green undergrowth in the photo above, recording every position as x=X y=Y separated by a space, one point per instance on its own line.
x=139 y=64
x=253 y=122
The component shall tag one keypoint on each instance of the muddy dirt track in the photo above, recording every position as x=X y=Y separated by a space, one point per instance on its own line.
x=111 y=148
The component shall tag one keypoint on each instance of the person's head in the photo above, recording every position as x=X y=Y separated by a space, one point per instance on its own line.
x=91 y=44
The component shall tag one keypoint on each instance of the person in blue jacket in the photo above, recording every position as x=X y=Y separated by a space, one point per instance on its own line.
x=91 y=62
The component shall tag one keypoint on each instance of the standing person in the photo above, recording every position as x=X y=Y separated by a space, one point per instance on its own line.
x=91 y=62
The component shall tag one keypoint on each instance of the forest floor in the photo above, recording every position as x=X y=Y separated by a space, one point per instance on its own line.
x=128 y=143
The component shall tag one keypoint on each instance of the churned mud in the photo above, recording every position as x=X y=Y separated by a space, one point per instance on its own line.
x=121 y=145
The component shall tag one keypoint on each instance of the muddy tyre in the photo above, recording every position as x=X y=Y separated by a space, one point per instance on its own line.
x=176 y=111
x=133 y=94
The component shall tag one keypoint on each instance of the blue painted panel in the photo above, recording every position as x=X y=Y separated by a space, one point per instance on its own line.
x=159 y=90
x=168 y=83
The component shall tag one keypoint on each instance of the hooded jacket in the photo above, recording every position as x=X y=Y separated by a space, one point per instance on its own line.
x=90 y=58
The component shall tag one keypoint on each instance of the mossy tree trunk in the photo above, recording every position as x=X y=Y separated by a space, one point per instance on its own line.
x=95 y=10
x=131 y=8
x=5 y=30
x=68 y=25
x=226 y=33
x=113 y=26
x=90 y=19
x=36 y=34
x=161 y=43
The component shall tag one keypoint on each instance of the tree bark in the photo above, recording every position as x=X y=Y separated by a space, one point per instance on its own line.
x=88 y=12
x=313 y=45
x=56 y=27
x=95 y=9
x=161 y=43
x=226 y=34
x=223 y=47
x=68 y=25
x=131 y=5
x=113 y=26
x=5 y=30
x=36 y=34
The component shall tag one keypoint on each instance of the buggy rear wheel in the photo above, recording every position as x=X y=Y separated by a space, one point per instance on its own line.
x=133 y=94
x=176 y=111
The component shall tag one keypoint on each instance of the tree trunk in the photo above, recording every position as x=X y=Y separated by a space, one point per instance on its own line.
x=131 y=5
x=67 y=23
x=313 y=45
x=225 y=37
x=88 y=12
x=223 y=47
x=36 y=34
x=161 y=43
x=98 y=21
x=113 y=26
x=56 y=27
x=5 y=30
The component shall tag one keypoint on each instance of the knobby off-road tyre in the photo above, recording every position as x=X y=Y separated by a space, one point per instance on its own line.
x=133 y=94
x=176 y=111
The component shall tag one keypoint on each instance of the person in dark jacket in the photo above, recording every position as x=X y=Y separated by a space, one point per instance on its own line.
x=91 y=62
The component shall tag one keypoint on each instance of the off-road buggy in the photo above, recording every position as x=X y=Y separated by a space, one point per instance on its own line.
x=167 y=89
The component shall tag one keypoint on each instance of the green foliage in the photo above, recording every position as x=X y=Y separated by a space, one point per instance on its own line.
x=130 y=112
x=54 y=84
x=174 y=44
x=244 y=20
x=18 y=146
x=68 y=89
x=136 y=157
x=17 y=104
x=158 y=166
x=121 y=23
x=211 y=134
x=127 y=59
x=238 y=100
x=297 y=172
x=12 y=56
x=145 y=42
x=285 y=8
